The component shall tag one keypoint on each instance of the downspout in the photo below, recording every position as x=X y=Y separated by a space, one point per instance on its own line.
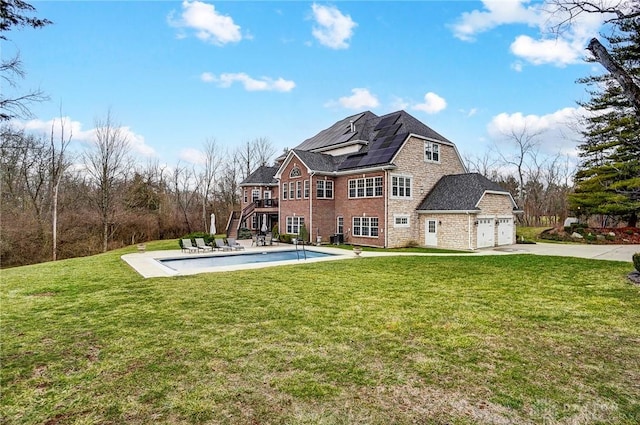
x=313 y=173
x=386 y=207
x=469 y=227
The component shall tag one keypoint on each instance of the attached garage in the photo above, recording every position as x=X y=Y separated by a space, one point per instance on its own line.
x=468 y=211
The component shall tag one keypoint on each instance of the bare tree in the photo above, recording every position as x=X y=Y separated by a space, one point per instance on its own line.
x=14 y=13
x=16 y=106
x=525 y=143
x=213 y=160
x=264 y=151
x=185 y=185
x=616 y=12
x=106 y=163
x=59 y=164
x=253 y=154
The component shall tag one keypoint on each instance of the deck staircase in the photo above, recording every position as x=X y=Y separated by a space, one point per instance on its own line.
x=233 y=224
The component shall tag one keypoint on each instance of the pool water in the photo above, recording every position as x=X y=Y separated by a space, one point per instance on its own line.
x=184 y=264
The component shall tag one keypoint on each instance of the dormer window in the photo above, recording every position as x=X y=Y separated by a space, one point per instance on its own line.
x=295 y=172
x=431 y=152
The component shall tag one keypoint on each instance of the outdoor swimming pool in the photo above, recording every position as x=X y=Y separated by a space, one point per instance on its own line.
x=188 y=264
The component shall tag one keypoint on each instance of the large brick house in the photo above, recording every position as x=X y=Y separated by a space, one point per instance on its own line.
x=385 y=181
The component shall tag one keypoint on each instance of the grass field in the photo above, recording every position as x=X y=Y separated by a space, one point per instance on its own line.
x=459 y=340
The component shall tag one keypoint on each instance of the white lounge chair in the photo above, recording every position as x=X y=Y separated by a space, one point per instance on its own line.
x=234 y=244
x=187 y=246
x=220 y=244
x=202 y=246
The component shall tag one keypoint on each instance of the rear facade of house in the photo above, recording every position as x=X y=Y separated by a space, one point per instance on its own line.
x=383 y=181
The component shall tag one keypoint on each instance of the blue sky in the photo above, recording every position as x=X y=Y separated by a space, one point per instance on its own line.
x=175 y=74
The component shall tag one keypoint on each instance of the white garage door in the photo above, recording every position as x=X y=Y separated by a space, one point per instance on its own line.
x=505 y=231
x=485 y=232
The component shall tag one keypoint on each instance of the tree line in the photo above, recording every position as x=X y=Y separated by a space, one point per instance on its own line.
x=60 y=204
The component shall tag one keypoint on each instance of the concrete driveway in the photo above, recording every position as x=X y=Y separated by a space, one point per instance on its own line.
x=596 y=252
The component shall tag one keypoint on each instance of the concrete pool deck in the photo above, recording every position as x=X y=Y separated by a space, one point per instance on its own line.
x=147 y=264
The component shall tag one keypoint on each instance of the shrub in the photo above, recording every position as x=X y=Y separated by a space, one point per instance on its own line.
x=244 y=233
x=411 y=244
x=304 y=234
x=636 y=261
x=286 y=238
x=274 y=231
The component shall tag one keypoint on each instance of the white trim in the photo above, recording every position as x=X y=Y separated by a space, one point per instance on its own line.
x=447 y=211
x=396 y=216
x=340 y=145
x=398 y=197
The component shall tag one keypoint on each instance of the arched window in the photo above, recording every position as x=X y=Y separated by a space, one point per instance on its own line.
x=295 y=172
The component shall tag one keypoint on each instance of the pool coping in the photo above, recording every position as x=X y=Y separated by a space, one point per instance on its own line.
x=147 y=264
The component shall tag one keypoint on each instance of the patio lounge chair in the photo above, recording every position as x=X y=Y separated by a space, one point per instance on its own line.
x=187 y=246
x=202 y=246
x=234 y=244
x=220 y=244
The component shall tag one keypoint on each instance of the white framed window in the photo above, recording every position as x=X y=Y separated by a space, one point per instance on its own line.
x=254 y=221
x=369 y=187
x=266 y=194
x=285 y=190
x=324 y=189
x=365 y=227
x=292 y=191
x=298 y=190
x=400 y=186
x=245 y=196
x=255 y=195
x=295 y=172
x=294 y=224
x=431 y=152
x=340 y=224
x=306 y=189
x=401 y=220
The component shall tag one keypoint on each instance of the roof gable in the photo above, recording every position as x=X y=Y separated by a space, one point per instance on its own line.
x=460 y=192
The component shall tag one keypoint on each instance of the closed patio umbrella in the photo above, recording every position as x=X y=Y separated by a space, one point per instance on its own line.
x=212 y=228
x=264 y=223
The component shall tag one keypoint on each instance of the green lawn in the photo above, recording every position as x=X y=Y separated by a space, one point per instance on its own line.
x=530 y=233
x=457 y=340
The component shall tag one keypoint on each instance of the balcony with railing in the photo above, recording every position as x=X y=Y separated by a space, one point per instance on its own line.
x=265 y=205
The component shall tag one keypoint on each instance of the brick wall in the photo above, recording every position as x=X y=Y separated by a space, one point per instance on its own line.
x=294 y=207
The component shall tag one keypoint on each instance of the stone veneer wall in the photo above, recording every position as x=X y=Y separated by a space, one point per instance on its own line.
x=453 y=230
x=410 y=162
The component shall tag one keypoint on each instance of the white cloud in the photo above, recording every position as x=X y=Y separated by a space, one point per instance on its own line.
x=558 y=131
x=74 y=129
x=209 y=25
x=192 y=156
x=249 y=83
x=360 y=99
x=545 y=48
x=558 y=51
x=332 y=29
x=496 y=13
x=432 y=104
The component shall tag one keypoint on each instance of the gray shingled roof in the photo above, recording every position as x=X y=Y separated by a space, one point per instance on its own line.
x=458 y=192
x=316 y=161
x=264 y=175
